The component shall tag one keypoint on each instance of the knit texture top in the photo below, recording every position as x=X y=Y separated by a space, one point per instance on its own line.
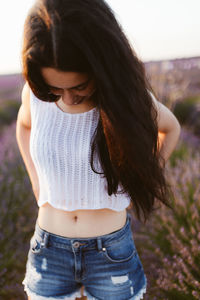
x=60 y=147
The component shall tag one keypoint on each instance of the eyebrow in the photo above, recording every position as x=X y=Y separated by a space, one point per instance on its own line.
x=73 y=87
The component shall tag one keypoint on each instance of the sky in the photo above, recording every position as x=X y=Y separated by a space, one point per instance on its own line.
x=157 y=29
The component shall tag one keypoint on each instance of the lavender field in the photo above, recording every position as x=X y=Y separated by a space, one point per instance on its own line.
x=169 y=243
x=10 y=87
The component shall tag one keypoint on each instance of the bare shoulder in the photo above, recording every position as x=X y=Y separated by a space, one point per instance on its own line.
x=24 y=114
x=165 y=118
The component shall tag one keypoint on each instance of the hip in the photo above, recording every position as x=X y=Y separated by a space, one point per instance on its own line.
x=108 y=266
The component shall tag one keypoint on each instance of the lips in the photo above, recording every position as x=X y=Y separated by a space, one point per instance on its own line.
x=79 y=101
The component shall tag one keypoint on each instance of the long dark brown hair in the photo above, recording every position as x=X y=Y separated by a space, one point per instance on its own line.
x=84 y=36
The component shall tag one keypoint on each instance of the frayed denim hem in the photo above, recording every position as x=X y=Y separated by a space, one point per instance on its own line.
x=141 y=293
x=35 y=296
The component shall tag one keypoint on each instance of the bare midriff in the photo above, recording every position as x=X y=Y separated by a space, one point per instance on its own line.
x=80 y=223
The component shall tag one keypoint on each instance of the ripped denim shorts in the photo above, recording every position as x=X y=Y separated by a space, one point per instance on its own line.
x=108 y=266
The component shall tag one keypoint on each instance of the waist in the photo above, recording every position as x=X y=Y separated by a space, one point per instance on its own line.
x=47 y=238
x=80 y=223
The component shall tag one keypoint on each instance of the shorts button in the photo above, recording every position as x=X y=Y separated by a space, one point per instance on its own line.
x=76 y=244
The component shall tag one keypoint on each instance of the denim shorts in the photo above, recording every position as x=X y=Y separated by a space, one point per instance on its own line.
x=108 y=266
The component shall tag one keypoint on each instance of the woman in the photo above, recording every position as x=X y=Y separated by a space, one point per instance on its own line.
x=94 y=140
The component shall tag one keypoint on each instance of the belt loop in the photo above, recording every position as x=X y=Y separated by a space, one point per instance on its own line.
x=99 y=243
x=45 y=239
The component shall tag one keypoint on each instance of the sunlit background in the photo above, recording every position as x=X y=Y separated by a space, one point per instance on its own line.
x=157 y=29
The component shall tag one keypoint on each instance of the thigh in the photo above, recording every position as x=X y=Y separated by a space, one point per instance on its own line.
x=50 y=272
x=115 y=272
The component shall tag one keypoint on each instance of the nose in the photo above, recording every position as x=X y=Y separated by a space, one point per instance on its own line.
x=67 y=97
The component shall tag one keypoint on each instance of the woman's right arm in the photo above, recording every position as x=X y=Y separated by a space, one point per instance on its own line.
x=23 y=131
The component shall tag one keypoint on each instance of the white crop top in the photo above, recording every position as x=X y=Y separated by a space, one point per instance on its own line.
x=60 y=147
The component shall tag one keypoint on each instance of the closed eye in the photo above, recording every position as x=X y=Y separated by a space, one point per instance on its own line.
x=83 y=86
x=80 y=88
x=55 y=90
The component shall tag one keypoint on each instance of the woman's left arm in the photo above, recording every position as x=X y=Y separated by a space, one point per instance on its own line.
x=168 y=129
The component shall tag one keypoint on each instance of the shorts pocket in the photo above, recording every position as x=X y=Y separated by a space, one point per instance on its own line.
x=120 y=252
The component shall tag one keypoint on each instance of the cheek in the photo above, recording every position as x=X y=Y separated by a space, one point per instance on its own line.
x=91 y=88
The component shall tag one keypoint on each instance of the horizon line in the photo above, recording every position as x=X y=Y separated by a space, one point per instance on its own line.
x=145 y=62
